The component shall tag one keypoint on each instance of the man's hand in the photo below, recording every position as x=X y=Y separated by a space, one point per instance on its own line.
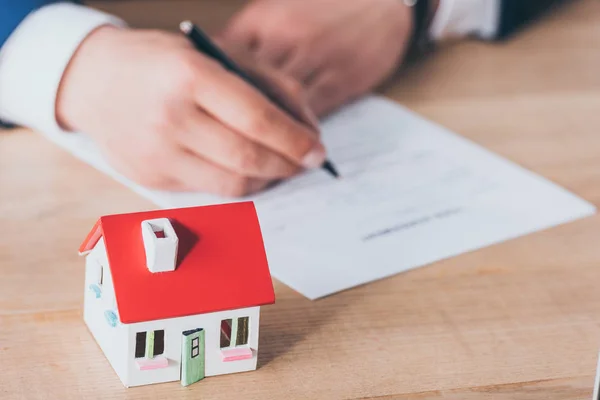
x=339 y=49
x=170 y=118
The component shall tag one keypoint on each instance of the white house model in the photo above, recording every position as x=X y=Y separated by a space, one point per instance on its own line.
x=174 y=295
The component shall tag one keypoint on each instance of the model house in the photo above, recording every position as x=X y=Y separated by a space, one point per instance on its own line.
x=174 y=295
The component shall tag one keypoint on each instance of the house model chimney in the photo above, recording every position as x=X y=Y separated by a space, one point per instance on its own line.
x=160 y=243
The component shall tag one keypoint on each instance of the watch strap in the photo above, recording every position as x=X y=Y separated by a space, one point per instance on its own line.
x=420 y=40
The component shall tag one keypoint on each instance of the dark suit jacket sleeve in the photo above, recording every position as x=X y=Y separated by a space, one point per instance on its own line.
x=515 y=14
x=12 y=12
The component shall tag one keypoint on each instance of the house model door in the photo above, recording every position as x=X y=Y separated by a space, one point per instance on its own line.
x=192 y=356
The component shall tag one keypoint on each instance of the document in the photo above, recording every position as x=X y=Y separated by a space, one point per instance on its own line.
x=411 y=193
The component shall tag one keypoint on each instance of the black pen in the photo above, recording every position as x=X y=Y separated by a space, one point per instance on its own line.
x=206 y=46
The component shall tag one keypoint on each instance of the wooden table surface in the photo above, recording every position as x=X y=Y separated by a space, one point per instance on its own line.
x=518 y=320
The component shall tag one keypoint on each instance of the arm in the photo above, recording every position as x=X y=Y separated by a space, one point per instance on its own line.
x=162 y=114
x=13 y=13
x=36 y=33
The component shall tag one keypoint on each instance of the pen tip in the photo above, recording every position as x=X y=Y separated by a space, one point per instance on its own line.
x=329 y=167
x=186 y=26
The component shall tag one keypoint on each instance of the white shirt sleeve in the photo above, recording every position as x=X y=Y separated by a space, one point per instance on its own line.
x=455 y=18
x=34 y=58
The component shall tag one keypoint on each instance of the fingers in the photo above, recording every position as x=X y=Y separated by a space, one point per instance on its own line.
x=178 y=170
x=196 y=174
x=301 y=66
x=326 y=94
x=245 y=110
x=279 y=51
x=161 y=163
x=275 y=52
x=149 y=176
x=236 y=32
x=229 y=150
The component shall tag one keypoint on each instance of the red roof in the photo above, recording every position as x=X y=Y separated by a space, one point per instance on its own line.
x=221 y=265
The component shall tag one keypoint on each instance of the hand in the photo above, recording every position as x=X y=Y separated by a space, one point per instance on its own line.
x=339 y=49
x=169 y=118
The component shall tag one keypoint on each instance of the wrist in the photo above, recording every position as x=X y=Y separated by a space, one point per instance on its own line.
x=423 y=14
x=34 y=58
x=83 y=70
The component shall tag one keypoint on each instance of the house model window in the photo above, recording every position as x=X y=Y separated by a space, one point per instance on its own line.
x=234 y=332
x=195 y=347
x=97 y=279
x=149 y=344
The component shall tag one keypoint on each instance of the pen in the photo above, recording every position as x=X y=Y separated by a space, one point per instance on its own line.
x=206 y=46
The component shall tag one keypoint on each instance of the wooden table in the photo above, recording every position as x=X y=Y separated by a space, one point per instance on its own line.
x=519 y=320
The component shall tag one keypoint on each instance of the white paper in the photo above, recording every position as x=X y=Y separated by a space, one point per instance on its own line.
x=596 y=394
x=412 y=193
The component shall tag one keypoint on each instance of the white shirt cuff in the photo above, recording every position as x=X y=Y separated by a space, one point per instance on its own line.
x=455 y=18
x=34 y=58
